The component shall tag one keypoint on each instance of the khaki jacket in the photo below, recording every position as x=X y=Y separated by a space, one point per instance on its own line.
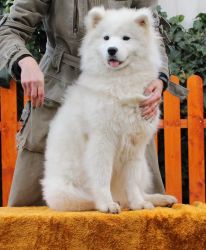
x=63 y=22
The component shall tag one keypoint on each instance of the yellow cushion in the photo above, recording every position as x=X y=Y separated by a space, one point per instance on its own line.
x=178 y=228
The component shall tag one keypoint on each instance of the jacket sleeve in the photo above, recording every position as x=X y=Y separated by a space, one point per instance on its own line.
x=17 y=27
x=165 y=67
x=152 y=3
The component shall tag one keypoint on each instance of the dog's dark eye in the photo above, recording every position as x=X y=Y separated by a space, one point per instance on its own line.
x=106 y=38
x=126 y=38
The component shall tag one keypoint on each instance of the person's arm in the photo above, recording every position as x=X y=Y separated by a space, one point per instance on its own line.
x=149 y=108
x=164 y=71
x=15 y=30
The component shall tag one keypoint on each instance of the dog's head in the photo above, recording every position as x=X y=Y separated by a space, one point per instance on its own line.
x=116 y=39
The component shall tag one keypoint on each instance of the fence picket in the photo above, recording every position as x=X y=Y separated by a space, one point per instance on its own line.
x=8 y=135
x=196 y=139
x=172 y=139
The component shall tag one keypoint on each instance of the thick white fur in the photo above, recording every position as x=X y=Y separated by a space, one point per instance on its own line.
x=95 y=155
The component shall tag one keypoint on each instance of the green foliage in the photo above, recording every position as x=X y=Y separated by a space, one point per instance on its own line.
x=37 y=43
x=187 y=47
x=5 y=5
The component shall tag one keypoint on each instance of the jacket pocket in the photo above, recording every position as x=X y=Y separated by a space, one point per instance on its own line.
x=23 y=132
x=35 y=126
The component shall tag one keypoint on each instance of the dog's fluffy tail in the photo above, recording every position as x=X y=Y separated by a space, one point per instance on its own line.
x=65 y=197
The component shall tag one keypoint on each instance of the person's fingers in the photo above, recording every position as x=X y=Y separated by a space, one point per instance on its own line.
x=155 y=97
x=40 y=95
x=154 y=85
x=33 y=94
x=149 y=110
x=149 y=89
x=28 y=90
x=151 y=115
x=24 y=87
x=37 y=104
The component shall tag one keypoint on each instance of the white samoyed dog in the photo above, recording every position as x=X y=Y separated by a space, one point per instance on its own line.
x=95 y=154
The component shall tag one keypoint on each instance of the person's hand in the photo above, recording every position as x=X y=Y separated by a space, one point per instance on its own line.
x=149 y=108
x=32 y=80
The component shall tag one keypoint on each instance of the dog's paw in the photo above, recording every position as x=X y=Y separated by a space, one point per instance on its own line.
x=112 y=208
x=161 y=200
x=141 y=205
x=168 y=200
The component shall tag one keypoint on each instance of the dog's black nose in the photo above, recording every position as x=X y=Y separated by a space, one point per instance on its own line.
x=112 y=51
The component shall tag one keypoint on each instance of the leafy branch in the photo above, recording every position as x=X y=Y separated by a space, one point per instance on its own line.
x=186 y=47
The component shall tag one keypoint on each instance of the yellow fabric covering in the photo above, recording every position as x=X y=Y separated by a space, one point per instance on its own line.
x=178 y=228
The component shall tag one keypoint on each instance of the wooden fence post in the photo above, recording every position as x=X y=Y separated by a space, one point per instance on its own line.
x=8 y=135
x=196 y=139
x=172 y=142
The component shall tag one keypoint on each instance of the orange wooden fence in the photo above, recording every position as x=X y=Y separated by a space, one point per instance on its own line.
x=172 y=125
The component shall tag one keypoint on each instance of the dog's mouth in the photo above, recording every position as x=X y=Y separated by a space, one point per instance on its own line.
x=114 y=63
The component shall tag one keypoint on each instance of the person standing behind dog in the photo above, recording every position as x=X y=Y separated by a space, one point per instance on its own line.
x=46 y=83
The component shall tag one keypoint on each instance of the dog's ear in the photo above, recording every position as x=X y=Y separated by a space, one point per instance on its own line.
x=144 y=18
x=94 y=16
